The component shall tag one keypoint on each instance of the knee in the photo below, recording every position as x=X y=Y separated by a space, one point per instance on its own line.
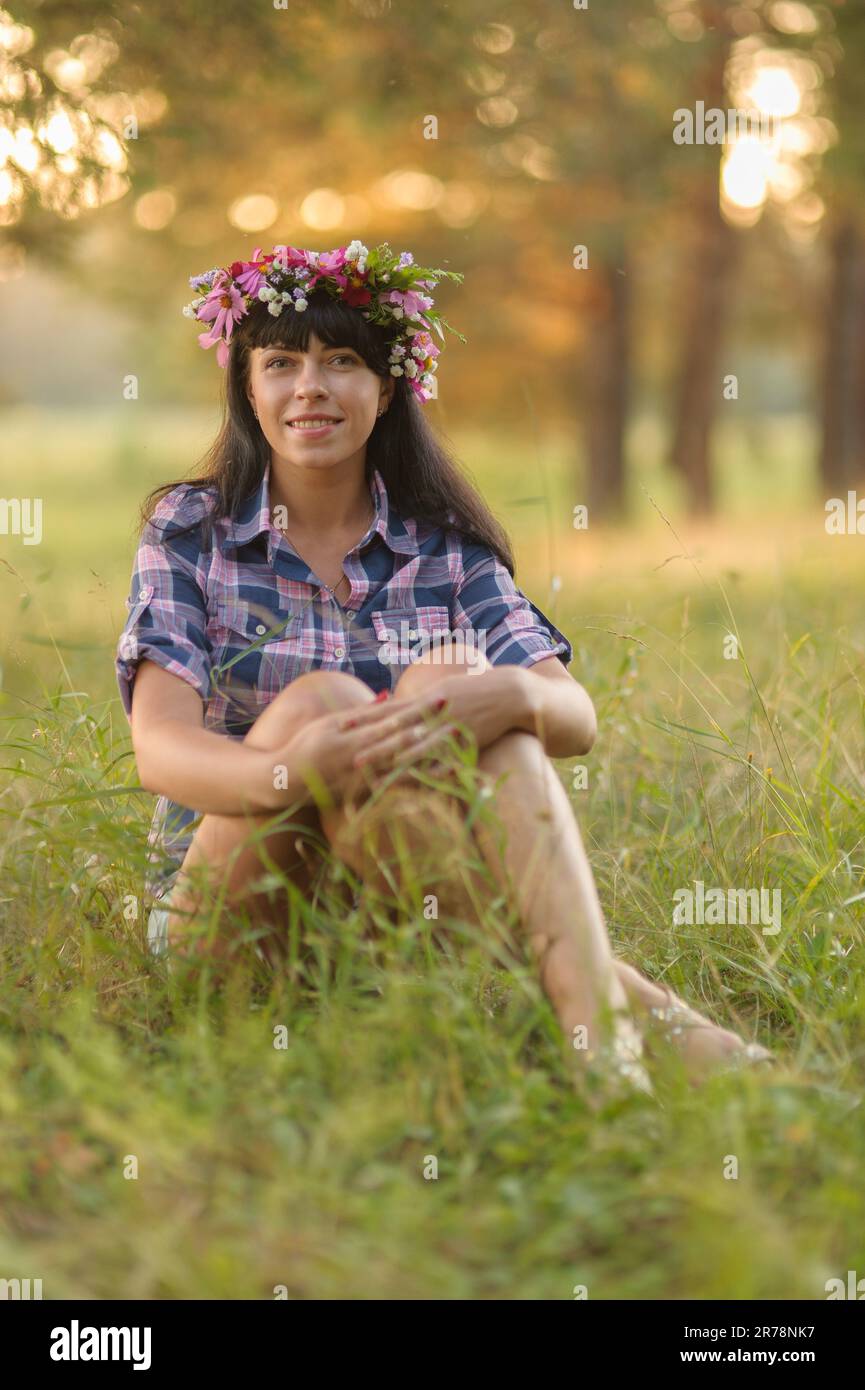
x=437 y=662
x=308 y=697
x=426 y=823
x=517 y=748
x=519 y=758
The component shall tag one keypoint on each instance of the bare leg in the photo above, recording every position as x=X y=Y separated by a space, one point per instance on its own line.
x=219 y=854
x=541 y=855
x=542 y=865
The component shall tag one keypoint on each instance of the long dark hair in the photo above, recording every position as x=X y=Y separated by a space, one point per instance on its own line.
x=423 y=481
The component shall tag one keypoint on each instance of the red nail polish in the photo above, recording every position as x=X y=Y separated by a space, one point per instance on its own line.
x=382 y=695
x=440 y=703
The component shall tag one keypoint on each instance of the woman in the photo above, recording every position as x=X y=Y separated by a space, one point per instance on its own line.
x=328 y=550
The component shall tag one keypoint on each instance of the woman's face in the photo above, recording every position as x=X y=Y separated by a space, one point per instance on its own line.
x=286 y=384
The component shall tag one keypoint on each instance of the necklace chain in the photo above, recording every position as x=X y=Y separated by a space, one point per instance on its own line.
x=331 y=591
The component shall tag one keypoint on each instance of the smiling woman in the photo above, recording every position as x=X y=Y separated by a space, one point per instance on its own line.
x=319 y=402
x=253 y=653
x=314 y=422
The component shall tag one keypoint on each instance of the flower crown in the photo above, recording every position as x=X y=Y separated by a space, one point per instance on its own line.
x=386 y=288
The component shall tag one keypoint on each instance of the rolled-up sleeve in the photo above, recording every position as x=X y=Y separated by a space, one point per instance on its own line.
x=167 y=616
x=516 y=632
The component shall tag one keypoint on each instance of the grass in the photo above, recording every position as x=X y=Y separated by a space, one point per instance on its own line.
x=302 y=1167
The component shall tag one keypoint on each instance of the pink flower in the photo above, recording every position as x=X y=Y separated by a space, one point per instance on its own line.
x=223 y=308
x=292 y=257
x=410 y=301
x=249 y=275
x=424 y=343
x=330 y=264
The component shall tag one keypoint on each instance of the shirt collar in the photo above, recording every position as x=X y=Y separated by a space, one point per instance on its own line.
x=253 y=518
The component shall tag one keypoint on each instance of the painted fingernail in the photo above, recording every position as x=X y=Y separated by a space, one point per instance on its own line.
x=350 y=724
x=440 y=703
x=382 y=695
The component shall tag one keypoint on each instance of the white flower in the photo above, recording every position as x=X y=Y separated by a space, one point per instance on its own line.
x=275 y=309
x=396 y=371
x=188 y=311
x=411 y=369
x=300 y=305
x=418 y=352
x=397 y=312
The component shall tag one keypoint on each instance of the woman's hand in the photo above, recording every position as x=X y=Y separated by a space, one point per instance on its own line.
x=325 y=750
x=485 y=706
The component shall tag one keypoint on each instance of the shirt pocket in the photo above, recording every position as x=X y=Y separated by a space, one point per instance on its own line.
x=256 y=647
x=405 y=634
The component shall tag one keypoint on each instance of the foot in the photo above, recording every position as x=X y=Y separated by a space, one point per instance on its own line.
x=704 y=1047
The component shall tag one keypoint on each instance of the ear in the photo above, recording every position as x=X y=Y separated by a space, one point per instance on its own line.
x=387 y=394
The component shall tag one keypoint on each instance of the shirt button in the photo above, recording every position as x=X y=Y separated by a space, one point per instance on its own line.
x=260 y=630
x=412 y=632
x=145 y=593
x=339 y=652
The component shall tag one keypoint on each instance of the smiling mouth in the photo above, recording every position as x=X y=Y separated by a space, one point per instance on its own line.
x=313 y=426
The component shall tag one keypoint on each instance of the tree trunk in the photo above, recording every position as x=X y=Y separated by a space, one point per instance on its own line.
x=608 y=380
x=700 y=378
x=842 y=453
x=705 y=292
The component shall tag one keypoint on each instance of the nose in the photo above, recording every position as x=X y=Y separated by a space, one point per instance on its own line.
x=309 y=382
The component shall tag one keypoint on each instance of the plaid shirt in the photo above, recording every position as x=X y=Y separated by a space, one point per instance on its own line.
x=241 y=619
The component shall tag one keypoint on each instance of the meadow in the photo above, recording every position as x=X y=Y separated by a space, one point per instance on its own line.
x=302 y=1168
